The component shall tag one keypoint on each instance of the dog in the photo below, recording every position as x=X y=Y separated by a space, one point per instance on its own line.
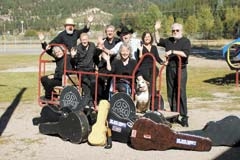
x=142 y=96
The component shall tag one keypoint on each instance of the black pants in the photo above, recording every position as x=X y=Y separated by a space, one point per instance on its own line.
x=88 y=86
x=172 y=89
x=103 y=88
x=49 y=84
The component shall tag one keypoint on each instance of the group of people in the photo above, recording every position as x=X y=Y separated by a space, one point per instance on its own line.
x=119 y=55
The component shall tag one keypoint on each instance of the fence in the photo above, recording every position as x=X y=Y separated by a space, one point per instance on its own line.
x=21 y=44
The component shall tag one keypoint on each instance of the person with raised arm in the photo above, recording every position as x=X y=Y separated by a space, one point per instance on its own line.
x=176 y=46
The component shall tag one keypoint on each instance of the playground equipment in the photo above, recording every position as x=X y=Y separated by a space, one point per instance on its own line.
x=231 y=53
x=71 y=83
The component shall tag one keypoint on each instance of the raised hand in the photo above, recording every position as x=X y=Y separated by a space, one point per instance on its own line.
x=90 y=19
x=41 y=36
x=100 y=43
x=157 y=25
x=73 y=52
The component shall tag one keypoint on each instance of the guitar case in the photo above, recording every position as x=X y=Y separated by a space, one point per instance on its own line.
x=49 y=113
x=225 y=132
x=149 y=135
x=71 y=98
x=71 y=126
x=121 y=117
x=98 y=134
x=157 y=117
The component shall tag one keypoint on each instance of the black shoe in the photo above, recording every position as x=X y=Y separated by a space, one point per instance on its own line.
x=174 y=120
x=184 y=121
x=45 y=98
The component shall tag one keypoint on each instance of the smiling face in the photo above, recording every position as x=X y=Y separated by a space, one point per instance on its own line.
x=58 y=52
x=177 y=30
x=147 y=38
x=110 y=31
x=125 y=53
x=84 y=39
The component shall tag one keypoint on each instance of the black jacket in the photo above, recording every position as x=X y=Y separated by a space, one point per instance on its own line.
x=182 y=44
x=70 y=40
x=85 y=59
x=59 y=70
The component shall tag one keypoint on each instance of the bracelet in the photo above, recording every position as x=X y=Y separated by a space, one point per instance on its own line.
x=172 y=52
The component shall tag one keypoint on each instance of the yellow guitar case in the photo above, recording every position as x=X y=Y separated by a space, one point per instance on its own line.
x=98 y=135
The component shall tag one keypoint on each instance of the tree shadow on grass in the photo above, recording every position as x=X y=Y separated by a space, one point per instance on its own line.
x=4 y=119
x=228 y=79
x=214 y=54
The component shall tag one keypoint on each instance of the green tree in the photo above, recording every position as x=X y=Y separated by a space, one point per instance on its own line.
x=231 y=19
x=191 y=25
x=217 y=29
x=147 y=20
x=166 y=25
x=179 y=20
x=205 y=20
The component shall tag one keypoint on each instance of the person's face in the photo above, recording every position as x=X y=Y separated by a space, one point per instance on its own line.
x=177 y=32
x=69 y=28
x=110 y=32
x=147 y=39
x=125 y=53
x=84 y=40
x=126 y=37
x=58 y=52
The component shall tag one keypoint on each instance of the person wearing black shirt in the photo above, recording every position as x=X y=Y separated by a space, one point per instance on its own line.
x=122 y=65
x=146 y=67
x=145 y=70
x=52 y=80
x=70 y=35
x=83 y=58
x=175 y=46
x=108 y=42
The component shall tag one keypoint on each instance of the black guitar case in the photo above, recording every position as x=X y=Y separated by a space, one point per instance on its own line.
x=71 y=126
x=157 y=117
x=71 y=100
x=121 y=117
x=49 y=113
x=225 y=132
x=70 y=97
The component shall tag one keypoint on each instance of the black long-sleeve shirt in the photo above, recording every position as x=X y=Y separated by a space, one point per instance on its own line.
x=119 y=68
x=84 y=60
x=59 y=70
x=148 y=61
x=182 y=44
x=70 y=40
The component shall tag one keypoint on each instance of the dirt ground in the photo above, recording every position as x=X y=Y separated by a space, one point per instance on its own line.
x=20 y=139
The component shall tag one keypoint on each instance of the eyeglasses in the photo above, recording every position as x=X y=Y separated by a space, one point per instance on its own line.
x=177 y=30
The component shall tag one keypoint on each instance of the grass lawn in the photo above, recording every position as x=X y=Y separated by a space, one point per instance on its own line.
x=11 y=83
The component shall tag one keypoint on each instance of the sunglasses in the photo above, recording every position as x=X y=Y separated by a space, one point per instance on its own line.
x=177 y=30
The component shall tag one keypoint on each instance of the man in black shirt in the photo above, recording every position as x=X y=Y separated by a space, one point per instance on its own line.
x=176 y=46
x=70 y=35
x=83 y=57
x=110 y=40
